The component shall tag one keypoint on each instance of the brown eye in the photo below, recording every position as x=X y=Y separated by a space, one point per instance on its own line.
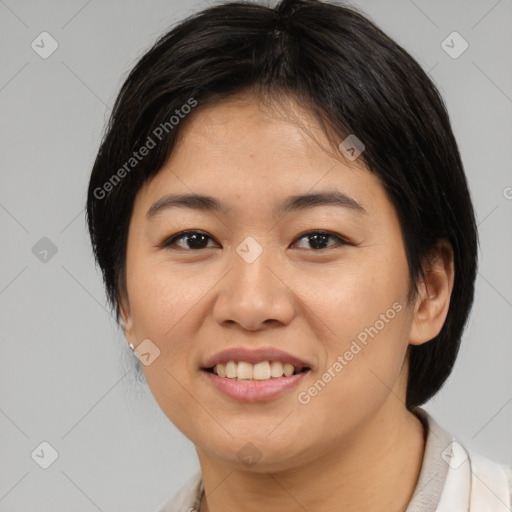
x=193 y=240
x=318 y=239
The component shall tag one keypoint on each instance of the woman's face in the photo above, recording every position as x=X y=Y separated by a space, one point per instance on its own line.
x=256 y=275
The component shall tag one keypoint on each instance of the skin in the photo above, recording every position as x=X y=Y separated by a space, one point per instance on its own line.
x=354 y=446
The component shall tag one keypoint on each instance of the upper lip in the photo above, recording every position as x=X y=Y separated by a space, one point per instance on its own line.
x=254 y=356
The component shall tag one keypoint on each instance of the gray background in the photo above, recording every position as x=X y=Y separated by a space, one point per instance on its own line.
x=67 y=375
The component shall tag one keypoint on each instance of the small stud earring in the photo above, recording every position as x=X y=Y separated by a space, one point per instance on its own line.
x=131 y=347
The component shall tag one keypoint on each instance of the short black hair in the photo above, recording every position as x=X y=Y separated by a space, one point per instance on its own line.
x=350 y=76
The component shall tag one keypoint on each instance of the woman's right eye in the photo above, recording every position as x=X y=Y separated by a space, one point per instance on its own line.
x=194 y=239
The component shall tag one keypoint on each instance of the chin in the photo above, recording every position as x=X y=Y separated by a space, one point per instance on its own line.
x=256 y=454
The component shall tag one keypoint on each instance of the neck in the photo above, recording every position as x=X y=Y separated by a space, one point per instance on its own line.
x=376 y=469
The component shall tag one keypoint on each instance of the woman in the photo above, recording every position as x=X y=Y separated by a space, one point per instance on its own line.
x=285 y=230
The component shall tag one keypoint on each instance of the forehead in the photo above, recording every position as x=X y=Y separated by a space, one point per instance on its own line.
x=244 y=151
x=246 y=121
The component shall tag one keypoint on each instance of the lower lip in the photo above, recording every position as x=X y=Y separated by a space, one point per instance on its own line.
x=254 y=390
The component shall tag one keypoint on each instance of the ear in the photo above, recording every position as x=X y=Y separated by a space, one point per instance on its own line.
x=127 y=319
x=433 y=300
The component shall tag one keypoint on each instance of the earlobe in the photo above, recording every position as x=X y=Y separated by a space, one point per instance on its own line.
x=126 y=318
x=433 y=301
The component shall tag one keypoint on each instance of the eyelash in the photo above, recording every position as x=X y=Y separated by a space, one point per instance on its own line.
x=168 y=243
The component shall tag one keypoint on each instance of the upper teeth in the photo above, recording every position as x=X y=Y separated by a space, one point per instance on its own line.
x=259 y=371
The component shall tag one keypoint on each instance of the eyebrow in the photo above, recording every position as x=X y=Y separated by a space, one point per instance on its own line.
x=292 y=203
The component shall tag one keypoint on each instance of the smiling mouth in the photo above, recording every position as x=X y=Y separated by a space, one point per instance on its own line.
x=262 y=371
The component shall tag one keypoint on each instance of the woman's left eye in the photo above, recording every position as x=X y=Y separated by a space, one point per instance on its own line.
x=198 y=240
x=319 y=238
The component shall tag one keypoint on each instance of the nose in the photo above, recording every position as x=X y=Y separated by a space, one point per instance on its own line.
x=255 y=294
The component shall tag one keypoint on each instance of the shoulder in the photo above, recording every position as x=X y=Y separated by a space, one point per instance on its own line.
x=508 y=473
x=490 y=481
x=187 y=498
x=465 y=479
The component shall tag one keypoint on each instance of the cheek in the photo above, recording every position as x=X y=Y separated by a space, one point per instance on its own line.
x=163 y=305
x=362 y=361
x=159 y=296
x=346 y=298
x=363 y=316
